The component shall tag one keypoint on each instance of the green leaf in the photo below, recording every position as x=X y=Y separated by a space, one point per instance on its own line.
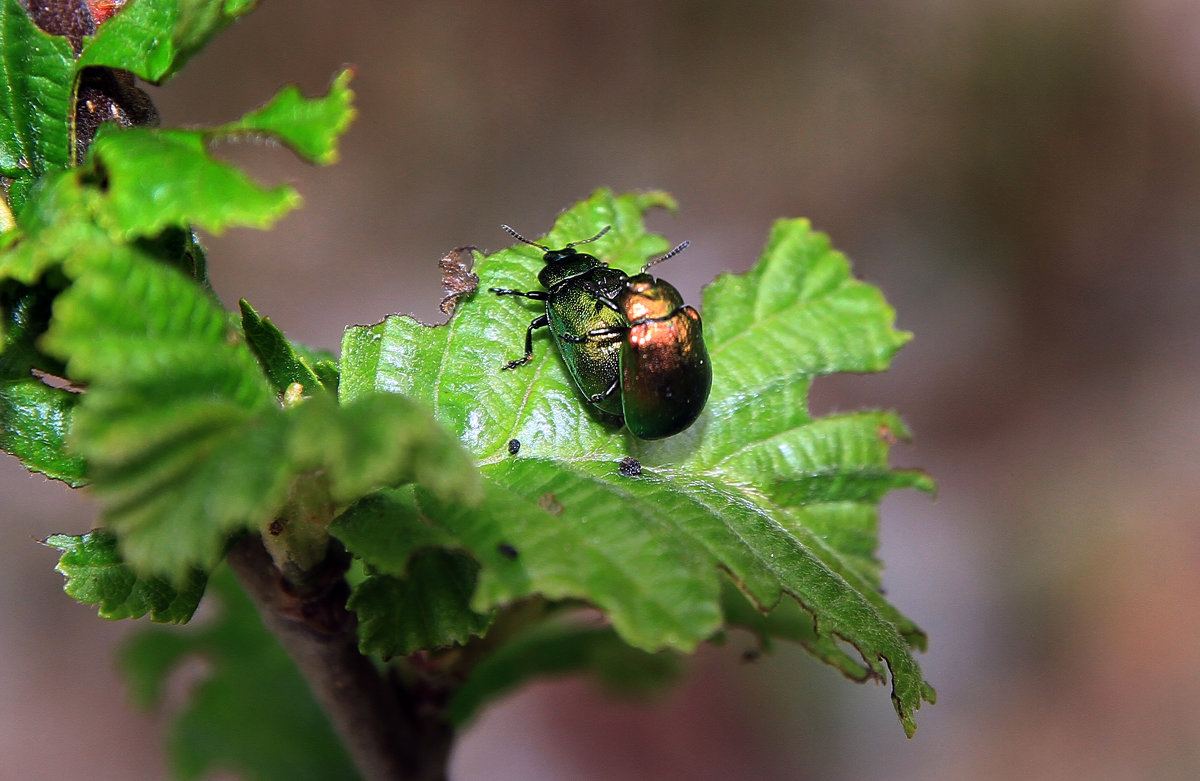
x=127 y=318
x=427 y=608
x=36 y=78
x=378 y=441
x=156 y=179
x=96 y=575
x=788 y=621
x=753 y=489
x=55 y=225
x=386 y=529
x=326 y=369
x=185 y=440
x=155 y=184
x=279 y=359
x=251 y=714
x=144 y=187
x=34 y=418
x=178 y=247
x=559 y=648
x=34 y=422
x=25 y=311
x=177 y=474
x=155 y=38
x=311 y=127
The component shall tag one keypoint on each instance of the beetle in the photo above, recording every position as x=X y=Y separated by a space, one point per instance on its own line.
x=632 y=346
x=573 y=280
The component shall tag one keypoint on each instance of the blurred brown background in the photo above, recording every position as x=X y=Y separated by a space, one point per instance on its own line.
x=1021 y=177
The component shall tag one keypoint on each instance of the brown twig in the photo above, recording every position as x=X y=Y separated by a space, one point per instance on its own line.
x=393 y=730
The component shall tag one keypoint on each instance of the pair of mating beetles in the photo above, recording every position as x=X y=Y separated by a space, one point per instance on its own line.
x=632 y=346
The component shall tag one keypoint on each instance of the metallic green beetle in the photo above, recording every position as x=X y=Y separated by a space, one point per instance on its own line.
x=572 y=281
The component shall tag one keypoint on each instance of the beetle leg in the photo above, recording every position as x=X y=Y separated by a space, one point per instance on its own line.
x=596 y=398
x=539 y=322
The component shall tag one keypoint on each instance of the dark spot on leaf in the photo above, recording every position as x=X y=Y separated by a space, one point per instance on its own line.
x=506 y=550
x=276 y=528
x=514 y=446
x=549 y=502
x=630 y=466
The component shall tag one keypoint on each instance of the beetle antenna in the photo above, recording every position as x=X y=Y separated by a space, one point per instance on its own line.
x=519 y=237
x=668 y=256
x=607 y=228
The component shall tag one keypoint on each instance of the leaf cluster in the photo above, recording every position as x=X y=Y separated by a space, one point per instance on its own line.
x=121 y=369
x=192 y=425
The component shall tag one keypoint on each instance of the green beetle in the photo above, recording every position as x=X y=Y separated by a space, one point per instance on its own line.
x=572 y=282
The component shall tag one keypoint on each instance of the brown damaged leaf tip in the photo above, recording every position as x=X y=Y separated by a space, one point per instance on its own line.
x=457 y=277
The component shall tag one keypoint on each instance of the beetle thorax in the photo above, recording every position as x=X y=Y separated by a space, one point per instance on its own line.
x=562 y=265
